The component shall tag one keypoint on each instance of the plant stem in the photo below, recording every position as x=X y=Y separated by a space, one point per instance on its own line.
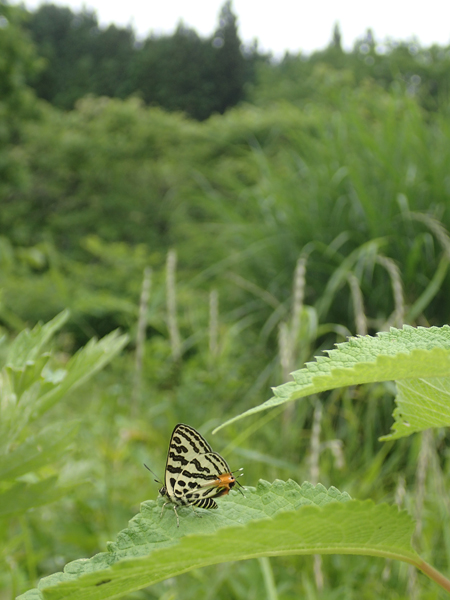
x=140 y=336
x=433 y=574
x=269 y=582
x=171 y=267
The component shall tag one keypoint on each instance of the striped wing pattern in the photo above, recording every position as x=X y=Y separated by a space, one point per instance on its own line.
x=195 y=475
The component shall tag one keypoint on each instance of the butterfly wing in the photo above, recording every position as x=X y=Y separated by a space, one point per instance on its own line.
x=193 y=470
x=186 y=445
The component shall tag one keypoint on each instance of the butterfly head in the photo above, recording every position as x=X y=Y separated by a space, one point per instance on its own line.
x=226 y=482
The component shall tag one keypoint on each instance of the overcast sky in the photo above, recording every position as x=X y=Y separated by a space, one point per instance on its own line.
x=281 y=25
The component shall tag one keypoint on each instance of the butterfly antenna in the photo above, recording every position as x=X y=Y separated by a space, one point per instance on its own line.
x=240 y=486
x=157 y=480
x=238 y=482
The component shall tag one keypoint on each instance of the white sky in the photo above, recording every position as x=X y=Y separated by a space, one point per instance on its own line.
x=281 y=25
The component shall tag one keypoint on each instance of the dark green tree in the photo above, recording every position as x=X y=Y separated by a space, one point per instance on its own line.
x=81 y=58
x=198 y=76
x=64 y=40
x=179 y=72
x=174 y=72
x=18 y=62
x=113 y=50
x=333 y=55
x=336 y=41
x=229 y=62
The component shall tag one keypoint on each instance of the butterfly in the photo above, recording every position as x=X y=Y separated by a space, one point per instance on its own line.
x=194 y=475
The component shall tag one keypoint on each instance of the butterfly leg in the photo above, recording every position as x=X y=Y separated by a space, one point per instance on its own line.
x=175 y=510
x=197 y=514
x=162 y=510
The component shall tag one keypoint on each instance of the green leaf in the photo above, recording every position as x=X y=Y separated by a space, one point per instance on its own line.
x=22 y=378
x=37 y=450
x=407 y=355
x=22 y=496
x=85 y=363
x=276 y=519
x=421 y=404
x=28 y=391
x=28 y=344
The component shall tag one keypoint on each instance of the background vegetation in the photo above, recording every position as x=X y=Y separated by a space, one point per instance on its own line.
x=275 y=208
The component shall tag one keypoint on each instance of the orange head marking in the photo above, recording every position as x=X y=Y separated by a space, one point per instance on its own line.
x=225 y=481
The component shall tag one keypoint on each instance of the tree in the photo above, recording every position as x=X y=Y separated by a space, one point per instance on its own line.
x=65 y=41
x=229 y=62
x=336 y=41
x=195 y=75
x=178 y=72
x=112 y=53
x=174 y=72
x=81 y=58
x=18 y=62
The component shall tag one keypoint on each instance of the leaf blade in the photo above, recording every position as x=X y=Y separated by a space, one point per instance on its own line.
x=400 y=354
x=275 y=519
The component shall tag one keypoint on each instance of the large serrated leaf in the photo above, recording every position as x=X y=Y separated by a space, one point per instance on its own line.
x=410 y=354
x=275 y=519
x=421 y=404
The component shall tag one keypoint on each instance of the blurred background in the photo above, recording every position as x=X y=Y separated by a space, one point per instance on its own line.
x=237 y=207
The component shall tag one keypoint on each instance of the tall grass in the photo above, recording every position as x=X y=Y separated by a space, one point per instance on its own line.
x=331 y=181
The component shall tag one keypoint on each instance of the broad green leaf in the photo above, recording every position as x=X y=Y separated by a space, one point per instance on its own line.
x=421 y=404
x=85 y=363
x=272 y=520
x=410 y=354
x=28 y=392
x=24 y=377
x=28 y=344
x=37 y=450
x=21 y=496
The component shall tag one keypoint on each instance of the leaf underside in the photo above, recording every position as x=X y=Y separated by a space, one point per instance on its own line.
x=418 y=359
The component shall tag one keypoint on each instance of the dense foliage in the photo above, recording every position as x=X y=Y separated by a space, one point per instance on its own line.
x=316 y=208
